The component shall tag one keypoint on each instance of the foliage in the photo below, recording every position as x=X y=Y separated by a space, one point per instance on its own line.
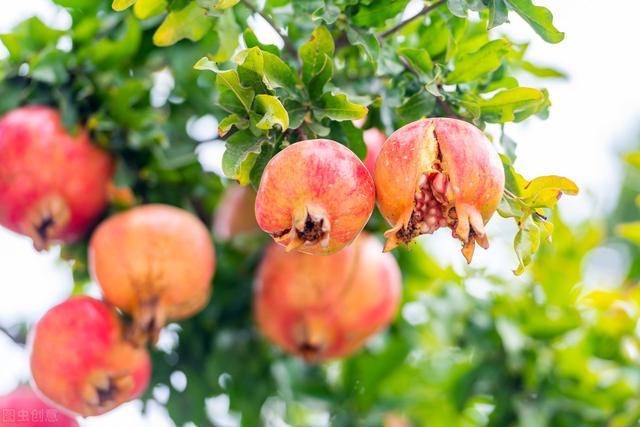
x=467 y=349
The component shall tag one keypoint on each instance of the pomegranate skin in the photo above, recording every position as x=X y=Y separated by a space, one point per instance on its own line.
x=315 y=196
x=436 y=173
x=80 y=360
x=155 y=262
x=53 y=185
x=235 y=214
x=322 y=308
x=374 y=139
x=23 y=408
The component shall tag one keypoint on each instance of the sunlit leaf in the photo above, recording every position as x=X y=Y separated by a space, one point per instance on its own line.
x=274 y=112
x=540 y=19
x=187 y=23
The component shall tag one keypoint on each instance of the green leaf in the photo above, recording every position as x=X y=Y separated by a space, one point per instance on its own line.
x=338 y=107
x=376 y=12
x=229 y=32
x=526 y=243
x=459 y=7
x=498 y=13
x=274 y=72
x=539 y=18
x=120 y=5
x=353 y=137
x=419 y=60
x=543 y=72
x=145 y=9
x=366 y=39
x=29 y=37
x=228 y=122
x=187 y=23
x=251 y=40
x=240 y=156
x=417 y=106
x=233 y=96
x=629 y=231
x=512 y=105
x=471 y=66
x=273 y=112
x=317 y=63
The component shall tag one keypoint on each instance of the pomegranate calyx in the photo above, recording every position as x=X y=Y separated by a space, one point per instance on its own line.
x=46 y=220
x=104 y=391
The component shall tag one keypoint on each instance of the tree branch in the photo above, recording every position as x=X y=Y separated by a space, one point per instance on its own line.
x=287 y=43
x=17 y=339
x=425 y=10
x=446 y=107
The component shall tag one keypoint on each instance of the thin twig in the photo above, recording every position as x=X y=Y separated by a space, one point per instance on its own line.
x=17 y=339
x=512 y=196
x=446 y=107
x=287 y=43
x=425 y=10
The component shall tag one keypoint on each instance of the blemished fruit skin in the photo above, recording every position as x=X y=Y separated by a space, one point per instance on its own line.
x=436 y=173
x=322 y=308
x=24 y=408
x=81 y=361
x=53 y=185
x=154 y=262
x=315 y=196
x=235 y=215
x=374 y=138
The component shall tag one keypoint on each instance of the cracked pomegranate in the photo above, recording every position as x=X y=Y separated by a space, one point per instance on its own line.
x=81 y=361
x=437 y=173
x=321 y=308
x=155 y=262
x=53 y=185
x=23 y=408
x=315 y=196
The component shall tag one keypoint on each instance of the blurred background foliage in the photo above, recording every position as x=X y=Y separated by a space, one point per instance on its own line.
x=548 y=348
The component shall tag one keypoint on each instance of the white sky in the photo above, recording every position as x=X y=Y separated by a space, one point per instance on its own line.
x=593 y=116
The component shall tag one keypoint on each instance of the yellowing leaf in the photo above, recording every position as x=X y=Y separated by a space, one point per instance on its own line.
x=144 y=9
x=338 y=107
x=630 y=231
x=120 y=5
x=225 y=4
x=187 y=23
x=544 y=191
x=512 y=105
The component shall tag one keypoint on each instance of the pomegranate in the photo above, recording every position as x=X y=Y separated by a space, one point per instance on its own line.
x=373 y=138
x=315 y=196
x=80 y=360
x=436 y=173
x=326 y=307
x=23 y=408
x=235 y=214
x=155 y=262
x=53 y=185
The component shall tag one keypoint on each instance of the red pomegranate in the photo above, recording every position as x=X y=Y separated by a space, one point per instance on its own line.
x=53 y=184
x=321 y=308
x=154 y=262
x=436 y=173
x=315 y=196
x=235 y=215
x=81 y=361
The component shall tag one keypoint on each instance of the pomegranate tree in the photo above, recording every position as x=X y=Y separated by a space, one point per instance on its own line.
x=437 y=173
x=155 y=262
x=81 y=361
x=315 y=196
x=326 y=307
x=23 y=408
x=53 y=184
